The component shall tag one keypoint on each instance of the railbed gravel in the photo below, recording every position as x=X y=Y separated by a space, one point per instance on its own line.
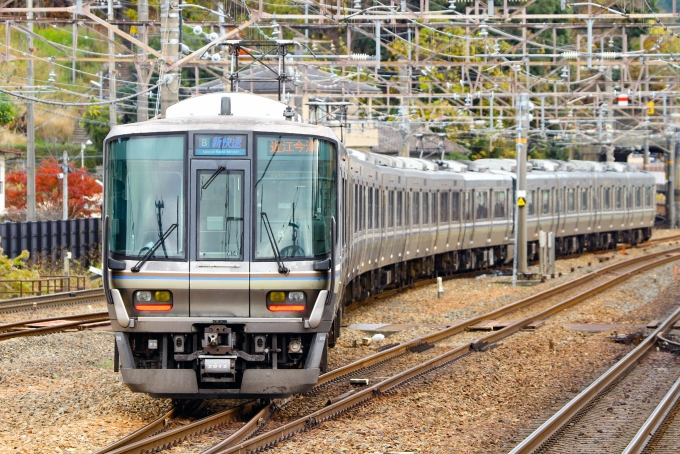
x=59 y=393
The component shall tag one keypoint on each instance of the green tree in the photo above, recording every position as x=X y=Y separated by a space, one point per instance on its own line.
x=95 y=121
x=6 y=110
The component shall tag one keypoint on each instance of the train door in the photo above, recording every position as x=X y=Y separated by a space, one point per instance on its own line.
x=219 y=266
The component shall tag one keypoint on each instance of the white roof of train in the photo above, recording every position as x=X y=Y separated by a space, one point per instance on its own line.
x=242 y=105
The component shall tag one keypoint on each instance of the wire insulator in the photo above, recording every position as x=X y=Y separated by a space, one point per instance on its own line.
x=359 y=57
x=609 y=55
x=571 y=55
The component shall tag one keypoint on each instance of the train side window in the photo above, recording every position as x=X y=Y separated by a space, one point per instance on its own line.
x=426 y=208
x=390 y=208
x=455 y=206
x=558 y=201
x=530 y=203
x=638 y=197
x=607 y=199
x=482 y=205
x=584 y=199
x=546 y=201
x=444 y=206
x=370 y=209
x=400 y=207
x=571 y=202
x=376 y=203
x=618 y=198
x=356 y=207
x=435 y=208
x=629 y=197
x=467 y=206
x=595 y=200
x=648 y=196
x=499 y=204
x=415 y=208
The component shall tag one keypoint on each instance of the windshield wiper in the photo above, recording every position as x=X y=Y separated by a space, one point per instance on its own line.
x=160 y=241
x=214 y=175
x=275 y=247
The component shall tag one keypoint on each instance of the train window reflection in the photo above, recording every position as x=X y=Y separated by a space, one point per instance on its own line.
x=295 y=185
x=530 y=202
x=618 y=198
x=400 y=207
x=220 y=216
x=416 y=208
x=426 y=208
x=146 y=177
x=648 y=196
x=499 y=204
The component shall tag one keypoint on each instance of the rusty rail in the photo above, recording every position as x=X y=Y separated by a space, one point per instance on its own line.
x=12 y=330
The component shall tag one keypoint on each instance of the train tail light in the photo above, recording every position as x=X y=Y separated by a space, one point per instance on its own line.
x=153 y=301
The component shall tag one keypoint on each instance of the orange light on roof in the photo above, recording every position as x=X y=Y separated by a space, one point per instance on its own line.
x=153 y=307
x=286 y=307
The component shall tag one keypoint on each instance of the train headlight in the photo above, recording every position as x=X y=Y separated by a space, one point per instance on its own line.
x=153 y=301
x=286 y=301
x=296 y=297
x=163 y=296
x=144 y=296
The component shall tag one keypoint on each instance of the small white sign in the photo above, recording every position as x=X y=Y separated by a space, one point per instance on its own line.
x=521 y=194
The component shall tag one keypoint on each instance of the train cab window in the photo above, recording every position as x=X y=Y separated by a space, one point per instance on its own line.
x=147 y=177
x=400 y=207
x=607 y=199
x=426 y=208
x=638 y=197
x=220 y=216
x=571 y=202
x=546 y=201
x=455 y=206
x=444 y=206
x=648 y=196
x=530 y=203
x=619 y=198
x=295 y=185
x=584 y=199
x=482 y=205
x=499 y=204
x=415 y=208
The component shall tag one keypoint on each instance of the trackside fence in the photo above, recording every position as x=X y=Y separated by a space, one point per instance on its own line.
x=48 y=240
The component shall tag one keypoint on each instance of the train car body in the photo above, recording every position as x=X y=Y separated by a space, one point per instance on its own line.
x=235 y=235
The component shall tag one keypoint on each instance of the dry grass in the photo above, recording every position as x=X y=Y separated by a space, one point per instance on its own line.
x=53 y=126
x=10 y=139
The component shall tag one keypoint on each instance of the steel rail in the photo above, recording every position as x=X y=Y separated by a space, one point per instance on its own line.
x=52 y=300
x=553 y=426
x=136 y=443
x=149 y=430
x=333 y=410
x=465 y=324
x=77 y=320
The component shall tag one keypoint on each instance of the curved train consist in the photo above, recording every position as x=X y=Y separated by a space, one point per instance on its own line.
x=235 y=235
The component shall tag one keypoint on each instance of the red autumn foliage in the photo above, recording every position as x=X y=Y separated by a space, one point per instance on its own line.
x=84 y=194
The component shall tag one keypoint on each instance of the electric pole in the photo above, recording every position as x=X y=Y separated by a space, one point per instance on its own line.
x=112 y=70
x=142 y=67
x=64 y=195
x=521 y=200
x=30 y=124
x=170 y=50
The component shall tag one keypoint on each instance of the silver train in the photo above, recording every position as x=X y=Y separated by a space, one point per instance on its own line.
x=235 y=235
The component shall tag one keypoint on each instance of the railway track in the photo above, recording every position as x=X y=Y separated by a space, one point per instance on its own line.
x=52 y=300
x=604 y=416
x=253 y=435
x=37 y=327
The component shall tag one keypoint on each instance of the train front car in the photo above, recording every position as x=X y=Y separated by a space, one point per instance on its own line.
x=218 y=249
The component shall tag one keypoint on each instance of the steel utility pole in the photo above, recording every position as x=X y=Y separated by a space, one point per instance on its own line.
x=30 y=124
x=675 y=194
x=142 y=67
x=170 y=50
x=523 y=120
x=112 y=70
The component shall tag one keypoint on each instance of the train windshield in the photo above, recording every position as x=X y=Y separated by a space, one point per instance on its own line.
x=295 y=194
x=145 y=196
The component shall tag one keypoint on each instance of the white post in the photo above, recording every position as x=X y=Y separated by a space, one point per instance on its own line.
x=64 y=198
x=542 y=240
x=551 y=253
